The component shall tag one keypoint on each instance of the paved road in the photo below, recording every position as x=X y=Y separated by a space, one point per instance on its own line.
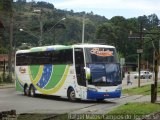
x=9 y=99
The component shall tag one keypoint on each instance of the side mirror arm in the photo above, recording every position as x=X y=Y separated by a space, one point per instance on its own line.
x=88 y=73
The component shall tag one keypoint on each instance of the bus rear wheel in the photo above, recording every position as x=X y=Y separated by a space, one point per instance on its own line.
x=71 y=95
x=31 y=91
x=25 y=90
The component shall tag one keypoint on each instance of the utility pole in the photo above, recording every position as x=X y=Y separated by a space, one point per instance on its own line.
x=83 y=27
x=41 y=25
x=4 y=70
x=139 y=51
x=41 y=28
x=140 y=54
x=54 y=42
x=10 y=46
x=156 y=74
x=154 y=86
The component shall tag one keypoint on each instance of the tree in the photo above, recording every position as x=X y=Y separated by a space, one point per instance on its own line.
x=73 y=30
x=8 y=10
x=153 y=21
x=90 y=30
x=116 y=31
x=21 y=4
x=105 y=32
x=1 y=6
x=118 y=20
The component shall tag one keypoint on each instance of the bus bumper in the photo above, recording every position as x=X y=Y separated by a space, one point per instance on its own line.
x=103 y=95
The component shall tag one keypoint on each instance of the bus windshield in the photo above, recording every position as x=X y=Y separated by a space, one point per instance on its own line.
x=104 y=66
x=101 y=55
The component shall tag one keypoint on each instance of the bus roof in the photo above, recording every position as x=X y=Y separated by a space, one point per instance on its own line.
x=59 y=47
x=44 y=48
x=22 y=51
x=92 y=45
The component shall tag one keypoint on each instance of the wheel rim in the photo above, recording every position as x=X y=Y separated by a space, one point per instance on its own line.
x=72 y=95
x=32 y=94
x=32 y=91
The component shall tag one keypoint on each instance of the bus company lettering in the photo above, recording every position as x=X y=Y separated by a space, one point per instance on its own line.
x=22 y=70
x=101 y=53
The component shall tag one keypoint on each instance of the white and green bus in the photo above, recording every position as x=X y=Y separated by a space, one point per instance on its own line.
x=82 y=71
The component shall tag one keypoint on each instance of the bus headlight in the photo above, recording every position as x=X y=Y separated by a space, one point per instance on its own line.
x=92 y=89
x=119 y=88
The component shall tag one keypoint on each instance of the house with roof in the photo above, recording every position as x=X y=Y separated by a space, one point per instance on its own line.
x=3 y=61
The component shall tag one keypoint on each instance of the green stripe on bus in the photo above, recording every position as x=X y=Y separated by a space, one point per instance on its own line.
x=63 y=48
x=38 y=49
x=18 y=86
x=57 y=73
x=34 y=70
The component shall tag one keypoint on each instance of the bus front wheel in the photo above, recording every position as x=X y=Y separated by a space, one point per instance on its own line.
x=71 y=95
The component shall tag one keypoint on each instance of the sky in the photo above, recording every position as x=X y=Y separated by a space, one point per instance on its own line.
x=110 y=8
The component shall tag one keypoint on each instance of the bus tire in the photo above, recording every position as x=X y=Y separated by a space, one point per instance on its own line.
x=71 y=95
x=31 y=91
x=100 y=100
x=25 y=90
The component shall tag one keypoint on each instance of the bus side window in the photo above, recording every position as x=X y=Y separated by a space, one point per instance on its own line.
x=21 y=59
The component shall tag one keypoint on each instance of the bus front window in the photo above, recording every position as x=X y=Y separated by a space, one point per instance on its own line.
x=104 y=66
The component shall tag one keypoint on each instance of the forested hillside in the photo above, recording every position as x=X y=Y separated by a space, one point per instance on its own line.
x=98 y=29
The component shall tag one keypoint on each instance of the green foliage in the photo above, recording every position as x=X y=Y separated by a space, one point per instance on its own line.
x=116 y=32
x=43 y=116
x=44 y=5
x=106 y=32
x=1 y=79
x=7 y=5
x=143 y=90
x=120 y=55
x=4 y=78
x=97 y=28
x=1 y=6
x=66 y=32
x=3 y=50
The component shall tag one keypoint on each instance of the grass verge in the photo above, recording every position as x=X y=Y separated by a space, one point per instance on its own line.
x=131 y=111
x=42 y=117
x=9 y=84
x=143 y=90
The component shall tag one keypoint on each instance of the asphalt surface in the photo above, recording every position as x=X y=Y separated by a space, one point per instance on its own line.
x=11 y=100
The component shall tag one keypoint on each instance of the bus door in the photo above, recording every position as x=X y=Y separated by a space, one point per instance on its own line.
x=80 y=72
